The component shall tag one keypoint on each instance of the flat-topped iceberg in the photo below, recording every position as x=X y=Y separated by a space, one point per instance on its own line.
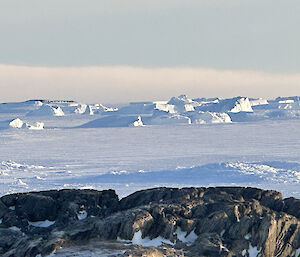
x=114 y=121
x=20 y=107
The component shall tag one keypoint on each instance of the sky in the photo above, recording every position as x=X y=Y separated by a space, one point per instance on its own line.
x=117 y=51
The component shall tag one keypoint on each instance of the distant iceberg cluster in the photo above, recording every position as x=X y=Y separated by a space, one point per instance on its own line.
x=179 y=110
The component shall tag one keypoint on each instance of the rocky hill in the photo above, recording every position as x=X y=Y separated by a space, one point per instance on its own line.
x=220 y=221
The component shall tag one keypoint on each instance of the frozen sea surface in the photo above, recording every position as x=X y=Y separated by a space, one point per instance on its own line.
x=78 y=158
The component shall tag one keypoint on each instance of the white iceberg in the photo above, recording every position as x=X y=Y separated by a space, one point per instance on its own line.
x=114 y=121
x=182 y=104
x=138 y=122
x=232 y=105
x=47 y=110
x=36 y=126
x=17 y=123
x=164 y=118
x=258 y=101
x=210 y=118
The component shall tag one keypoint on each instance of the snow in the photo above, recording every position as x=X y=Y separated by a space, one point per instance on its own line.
x=185 y=237
x=248 y=236
x=14 y=228
x=253 y=251
x=227 y=154
x=41 y=224
x=105 y=151
x=137 y=239
x=21 y=183
x=81 y=215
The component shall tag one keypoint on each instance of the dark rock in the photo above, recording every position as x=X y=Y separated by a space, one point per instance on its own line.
x=219 y=221
x=36 y=207
x=7 y=239
x=292 y=206
x=3 y=209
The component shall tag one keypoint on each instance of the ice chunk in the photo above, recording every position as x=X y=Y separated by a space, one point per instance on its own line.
x=210 y=117
x=17 y=123
x=36 y=126
x=138 y=122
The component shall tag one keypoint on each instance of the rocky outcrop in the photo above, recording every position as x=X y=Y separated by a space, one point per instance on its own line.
x=220 y=221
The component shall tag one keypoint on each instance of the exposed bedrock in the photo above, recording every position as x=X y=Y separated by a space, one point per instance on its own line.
x=220 y=221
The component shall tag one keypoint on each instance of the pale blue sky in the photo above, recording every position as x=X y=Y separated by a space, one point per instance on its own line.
x=258 y=35
x=132 y=50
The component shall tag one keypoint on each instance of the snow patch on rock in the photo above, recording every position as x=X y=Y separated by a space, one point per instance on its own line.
x=137 y=239
x=81 y=215
x=41 y=224
x=185 y=237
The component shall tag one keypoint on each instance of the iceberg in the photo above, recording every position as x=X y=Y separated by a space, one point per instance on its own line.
x=210 y=117
x=47 y=110
x=114 y=121
x=232 y=105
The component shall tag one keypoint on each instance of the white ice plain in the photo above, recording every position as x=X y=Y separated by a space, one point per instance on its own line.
x=175 y=143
